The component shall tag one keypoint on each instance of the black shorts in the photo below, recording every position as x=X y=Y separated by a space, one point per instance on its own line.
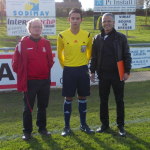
x=76 y=79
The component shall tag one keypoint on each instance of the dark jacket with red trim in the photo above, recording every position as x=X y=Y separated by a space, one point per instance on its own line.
x=32 y=60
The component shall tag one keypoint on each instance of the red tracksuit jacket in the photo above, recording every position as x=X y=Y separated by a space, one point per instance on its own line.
x=32 y=60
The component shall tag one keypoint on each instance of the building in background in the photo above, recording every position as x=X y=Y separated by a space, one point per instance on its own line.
x=63 y=8
x=68 y=4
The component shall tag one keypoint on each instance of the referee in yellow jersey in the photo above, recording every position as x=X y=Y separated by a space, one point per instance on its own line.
x=74 y=52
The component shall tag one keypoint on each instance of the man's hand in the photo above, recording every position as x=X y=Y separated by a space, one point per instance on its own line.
x=92 y=77
x=126 y=76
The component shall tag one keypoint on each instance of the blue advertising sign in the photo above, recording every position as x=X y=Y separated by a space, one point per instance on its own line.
x=114 y=5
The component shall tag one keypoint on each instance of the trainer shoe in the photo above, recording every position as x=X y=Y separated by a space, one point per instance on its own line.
x=44 y=132
x=26 y=136
x=66 y=131
x=86 y=129
x=102 y=129
x=122 y=132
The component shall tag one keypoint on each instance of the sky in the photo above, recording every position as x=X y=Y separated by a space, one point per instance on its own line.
x=86 y=4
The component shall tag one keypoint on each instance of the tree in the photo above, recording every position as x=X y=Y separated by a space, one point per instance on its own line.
x=147 y=7
x=89 y=12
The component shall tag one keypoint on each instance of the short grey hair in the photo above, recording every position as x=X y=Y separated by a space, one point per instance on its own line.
x=31 y=21
x=109 y=14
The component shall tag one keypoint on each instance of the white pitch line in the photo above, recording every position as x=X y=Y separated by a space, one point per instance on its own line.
x=7 y=138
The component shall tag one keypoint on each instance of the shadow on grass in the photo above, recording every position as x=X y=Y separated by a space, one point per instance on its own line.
x=100 y=142
x=137 y=142
x=51 y=143
x=84 y=145
x=130 y=140
x=35 y=144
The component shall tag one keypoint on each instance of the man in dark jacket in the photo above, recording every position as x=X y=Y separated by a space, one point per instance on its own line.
x=32 y=61
x=110 y=48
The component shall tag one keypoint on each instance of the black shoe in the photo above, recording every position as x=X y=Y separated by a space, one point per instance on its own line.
x=122 y=132
x=102 y=129
x=86 y=129
x=26 y=136
x=44 y=132
x=66 y=131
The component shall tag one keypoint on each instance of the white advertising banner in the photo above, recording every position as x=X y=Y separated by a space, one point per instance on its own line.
x=125 y=22
x=114 y=5
x=140 y=57
x=24 y=10
x=17 y=26
x=8 y=77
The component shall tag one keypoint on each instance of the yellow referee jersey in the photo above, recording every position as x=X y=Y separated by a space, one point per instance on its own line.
x=74 y=49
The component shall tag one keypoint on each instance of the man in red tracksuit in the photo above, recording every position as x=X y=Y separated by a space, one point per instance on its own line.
x=32 y=61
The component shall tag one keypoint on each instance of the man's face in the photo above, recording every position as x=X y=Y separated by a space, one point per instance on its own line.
x=107 y=23
x=75 y=20
x=36 y=28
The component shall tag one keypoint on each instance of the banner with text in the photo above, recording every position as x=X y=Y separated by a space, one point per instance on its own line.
x=114 y=5
x=140 y=59
x=125 y=22
x=8 y=77
x=24 y=10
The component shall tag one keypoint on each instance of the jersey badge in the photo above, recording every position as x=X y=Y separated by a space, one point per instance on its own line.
x=44 y=50
x=83 y=48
